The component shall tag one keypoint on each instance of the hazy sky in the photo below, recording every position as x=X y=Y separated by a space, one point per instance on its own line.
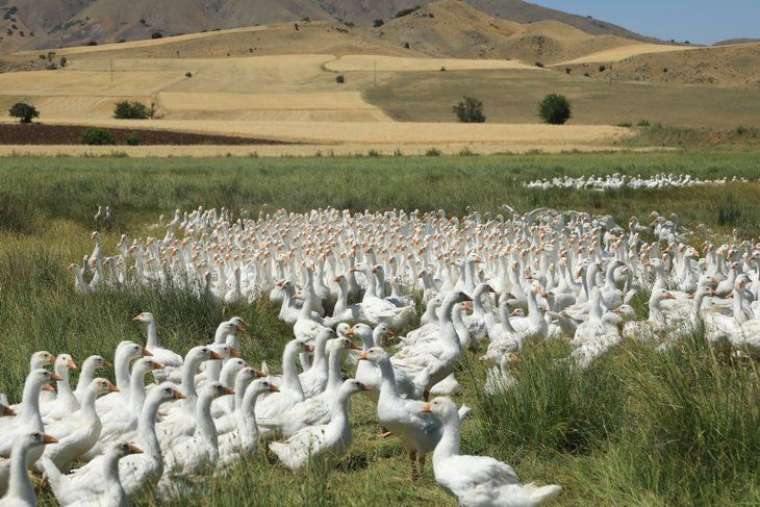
x=704 y=21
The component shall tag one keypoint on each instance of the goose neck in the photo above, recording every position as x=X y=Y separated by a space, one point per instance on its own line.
x=290 y=379
x=204 y=420
x=121 y=366
x=152 y=339
x=146 y=429
x=19 y=485
x=448 y=445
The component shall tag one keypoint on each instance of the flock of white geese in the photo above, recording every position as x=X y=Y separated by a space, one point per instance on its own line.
x=347 y=283
x=619 y=181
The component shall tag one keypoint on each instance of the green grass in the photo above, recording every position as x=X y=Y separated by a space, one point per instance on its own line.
x=638 y=429
x=513 y=96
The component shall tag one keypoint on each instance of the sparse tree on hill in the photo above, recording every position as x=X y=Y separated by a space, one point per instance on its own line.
x=470 y=110
x=24 y=112
x=555 y=109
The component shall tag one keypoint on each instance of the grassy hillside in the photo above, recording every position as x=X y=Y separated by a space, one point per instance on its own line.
x=512 y=97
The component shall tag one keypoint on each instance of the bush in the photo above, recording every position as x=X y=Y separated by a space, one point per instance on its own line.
x=433 y=152
x=555 y=109
x=97 y=137
x=126 y=110
x=406 y=12
x=133 y=140
x=470 y=110
x=156 y=35
x=625 y=124
x=188 y=74
x=340 y=79
x=643 y=123
x=24 y=112
x=378 y=23
x=540 y=65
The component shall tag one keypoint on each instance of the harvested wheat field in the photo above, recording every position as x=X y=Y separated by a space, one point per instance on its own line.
x=621 y=53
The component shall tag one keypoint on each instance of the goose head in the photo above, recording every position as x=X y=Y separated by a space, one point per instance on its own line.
x=381 y=333
x=342 y=329
x=224 y=351
x=94 y=363
x=35 y=439
x=102 y=386
x=144 y=318
x=443 y=407
x=340 y=344
x=6 y=411
x=374 y=355
x=123 y=450
x=64 y=362
x=364 y=332
x=215 y=390
x=40 y=359
x=41 y=379
x=262 y=386
x=239 y=324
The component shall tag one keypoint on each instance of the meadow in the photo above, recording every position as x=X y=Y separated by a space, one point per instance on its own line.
x=640 y=428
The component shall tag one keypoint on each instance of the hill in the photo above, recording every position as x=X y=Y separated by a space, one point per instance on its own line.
x=730 y=42
x=34 y=24
x=454 y=28
x=734 y=65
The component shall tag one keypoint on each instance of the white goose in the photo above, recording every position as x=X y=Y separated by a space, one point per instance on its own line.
x=71 y=491
x=313 y=441
x=20 y=491
x=89 y=367
x=65 y=402
x=403 y=418
x=316 y=410
x=478 y=481
x=137 y=471
x=170 y=359
x=243 y=439
x=188 y=454
x=77 y=433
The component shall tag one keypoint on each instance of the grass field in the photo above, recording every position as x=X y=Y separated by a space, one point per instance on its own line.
x=638 y=429
x=512 y=97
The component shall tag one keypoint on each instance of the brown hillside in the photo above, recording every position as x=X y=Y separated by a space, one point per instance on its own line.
x=61 y=23
x=722 y=65
x=452 y=27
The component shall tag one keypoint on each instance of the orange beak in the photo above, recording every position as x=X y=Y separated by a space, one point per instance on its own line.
x=228 y=391
x=133 y=449
x=136 y=317
x=55 y=377
x=49 y=439
x=273 y=388
x=363 y=356
x=178 y=395
x=391 y=332
x=309 y=347
x=234 y=353
x=107 y=364
x=215 y=356
x=427 y=408
x=155 y=366
x=147 y=353
x=351 y=332
x=112 y=388
x=49 y=387
x=7 y=411
x=71 y=364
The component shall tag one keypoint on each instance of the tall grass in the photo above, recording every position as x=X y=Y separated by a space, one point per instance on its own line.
x=638 y=428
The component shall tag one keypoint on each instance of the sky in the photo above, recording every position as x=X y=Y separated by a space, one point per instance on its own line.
x=700 y=21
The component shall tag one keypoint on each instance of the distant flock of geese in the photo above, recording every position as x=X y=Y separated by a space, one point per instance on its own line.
x=349 y=284
x=619 y=181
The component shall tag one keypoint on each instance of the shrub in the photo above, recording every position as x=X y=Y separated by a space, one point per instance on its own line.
x=470 y=110
x=24 y=112
x=92 y=43
x=373 y=154
x=741 y=130
x=555 y=109
x=340 y=79
x=97 y=137
x=378 y=23
x=433 y=152
x=602 y=68
x=63 y=62
x=539 y=65
x=625 y=124
x=188 y=74
x=133 y=140
x=643 y=123
x=126 y=110
x=156 y=35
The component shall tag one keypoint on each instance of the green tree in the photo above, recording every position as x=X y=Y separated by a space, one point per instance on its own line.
x=555 y=109
x=24 y=112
